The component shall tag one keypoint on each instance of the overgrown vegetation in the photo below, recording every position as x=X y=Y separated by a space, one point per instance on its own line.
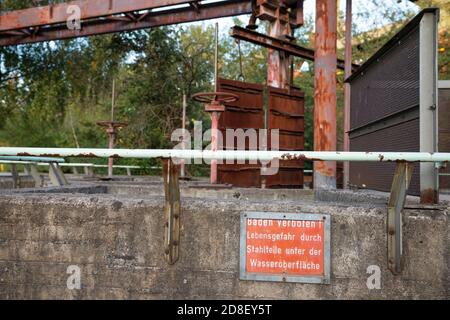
x=52 y=94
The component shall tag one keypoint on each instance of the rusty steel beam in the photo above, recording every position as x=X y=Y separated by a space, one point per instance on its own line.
x=59 y=13
x=347 y=92
x=279 y=45
x=325 y=91
x=278 y=61
x=145 y=20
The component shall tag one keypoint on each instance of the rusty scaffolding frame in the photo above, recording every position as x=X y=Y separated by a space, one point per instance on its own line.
x=50 y=22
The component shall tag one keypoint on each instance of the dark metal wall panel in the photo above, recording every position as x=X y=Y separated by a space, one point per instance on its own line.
x=246 y=113
x=388 y=86
x=378 y=176
x=285 y=111
x=444 y=132
x=384 y=112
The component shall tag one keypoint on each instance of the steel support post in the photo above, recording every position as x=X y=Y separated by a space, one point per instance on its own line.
x=112 y=130
x=215 y=116
x=429 y=182
x=214 y=112
x=15 y=176
x=325 y=92
x=89 y=171
x=278 y=61
x=347 y=93
x=183 y=126
x=32 y=170
x=112 y=139
x=172 y=211
x=56 y=175
x=397 y=199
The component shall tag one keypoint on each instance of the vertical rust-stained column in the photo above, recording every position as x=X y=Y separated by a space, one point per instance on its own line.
x=215 y=106
x=325 y=92
x=111 y=129
x=215 y=116
x=112 y=141
x=278 y=62
x=348 y=72
x=183 y=126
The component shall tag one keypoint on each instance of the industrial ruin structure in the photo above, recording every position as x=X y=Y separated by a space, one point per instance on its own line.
x=392 y=119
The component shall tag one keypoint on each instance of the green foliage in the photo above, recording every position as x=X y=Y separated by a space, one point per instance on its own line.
x=52 y=94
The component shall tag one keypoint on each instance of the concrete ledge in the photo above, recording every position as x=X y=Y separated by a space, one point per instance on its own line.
x=7 y=183
x=85 y=189
x=117 y=243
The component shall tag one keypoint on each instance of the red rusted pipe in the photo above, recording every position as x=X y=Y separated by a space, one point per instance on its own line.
x=325 y=92
x=348 y=72
x=278 y=63
x=112 y=138
x=111 y=129
x=183 y=126
x=215 y=116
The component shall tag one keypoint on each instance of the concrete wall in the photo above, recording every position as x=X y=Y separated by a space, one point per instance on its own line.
x=117 y=243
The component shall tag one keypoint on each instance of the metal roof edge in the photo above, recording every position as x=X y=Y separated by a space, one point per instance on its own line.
x=414 y=22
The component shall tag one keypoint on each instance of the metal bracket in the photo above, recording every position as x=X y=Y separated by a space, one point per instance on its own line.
x=397 y=199
x=32 y=170
x=89 y=171
x=56 y=175
x=171 y=211
x=440 y=165
x=15 y=176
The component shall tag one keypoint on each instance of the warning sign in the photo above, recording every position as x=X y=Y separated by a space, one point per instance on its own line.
x=285 y=247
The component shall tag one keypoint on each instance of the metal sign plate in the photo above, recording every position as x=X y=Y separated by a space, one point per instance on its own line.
x=285 y=247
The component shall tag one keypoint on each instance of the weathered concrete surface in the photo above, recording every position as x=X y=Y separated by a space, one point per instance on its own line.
x=116 y=240
x=7 y=182
x=188 y=191
x=72 y=189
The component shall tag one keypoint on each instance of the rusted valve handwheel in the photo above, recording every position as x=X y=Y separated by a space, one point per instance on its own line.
x=215 y=97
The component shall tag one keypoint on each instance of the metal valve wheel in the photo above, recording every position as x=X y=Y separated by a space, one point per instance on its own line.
x=215 y=97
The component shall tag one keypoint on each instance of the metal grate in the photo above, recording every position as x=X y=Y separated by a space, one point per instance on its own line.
x=385 y=112
x=444 y=133
x=389 y=86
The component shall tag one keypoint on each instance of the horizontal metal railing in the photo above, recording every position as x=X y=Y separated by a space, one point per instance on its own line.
x=22 y=159
x=228 y=154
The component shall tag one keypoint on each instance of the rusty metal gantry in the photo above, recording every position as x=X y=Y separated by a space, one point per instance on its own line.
x=101 y=17
x=49 y=22
x=283 y=17
x=289 y=47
